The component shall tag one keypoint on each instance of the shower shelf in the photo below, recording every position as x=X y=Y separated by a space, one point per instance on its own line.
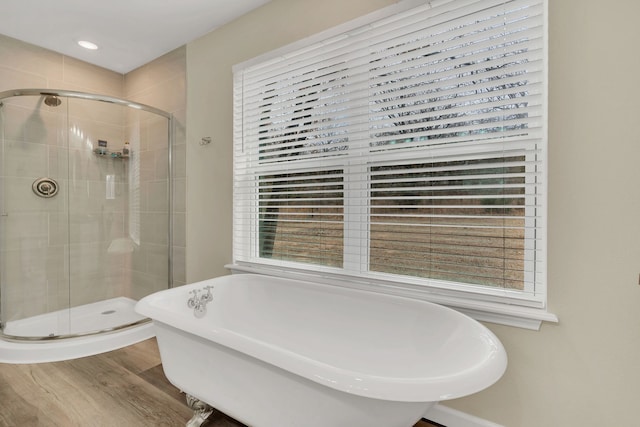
x=110 y=154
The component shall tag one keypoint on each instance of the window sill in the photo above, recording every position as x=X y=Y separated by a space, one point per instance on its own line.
x=484 y=311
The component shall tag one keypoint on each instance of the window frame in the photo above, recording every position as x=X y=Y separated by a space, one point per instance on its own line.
x=497 y=305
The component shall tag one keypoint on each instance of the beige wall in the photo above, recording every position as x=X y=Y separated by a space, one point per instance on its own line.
x=585 y=371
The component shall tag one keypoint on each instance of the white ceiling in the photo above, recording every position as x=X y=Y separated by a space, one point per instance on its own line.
x=130 y=33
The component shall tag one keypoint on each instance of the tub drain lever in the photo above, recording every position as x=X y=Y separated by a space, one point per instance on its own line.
x=199 y=300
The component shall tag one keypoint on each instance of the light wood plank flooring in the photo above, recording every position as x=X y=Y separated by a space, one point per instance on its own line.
x=121 y=388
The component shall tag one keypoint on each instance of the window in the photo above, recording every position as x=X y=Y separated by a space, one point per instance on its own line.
x=405 y=151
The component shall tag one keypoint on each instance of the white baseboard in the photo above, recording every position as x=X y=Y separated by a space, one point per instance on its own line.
x=452 y=418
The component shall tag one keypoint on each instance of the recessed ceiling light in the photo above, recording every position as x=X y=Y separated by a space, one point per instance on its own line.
x=88 y=45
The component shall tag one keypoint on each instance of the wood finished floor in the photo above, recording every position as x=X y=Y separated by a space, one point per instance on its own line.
x=122 y=388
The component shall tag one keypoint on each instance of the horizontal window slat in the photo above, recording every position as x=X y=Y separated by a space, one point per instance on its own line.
x=458 y=95
x=501 y=102
x=385 y=29
x=461 y=145
x=444 y=63
x=459 y=135
x=453 y=22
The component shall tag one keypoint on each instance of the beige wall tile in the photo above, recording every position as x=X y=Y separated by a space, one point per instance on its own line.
x=170 y=96
x=158 y=196
x=179 y=231
x=158 y=264
x=180 y=195
x=30 y=274
x=96 y=112
x=25 y=159
x=161 y=163
x=45 y=126
x=58 y=230
x=146 y=165
x=179 y=264
x=153 y=228
x=19 y=197
x=91 y=78
x=15 y=79
x=25 y=231
x=179 y=161
x=26 y=57
x=161 y=84
x=139 y=258
x=146 y=284
x=13 y=121
x=155 y=73
x=101 y=227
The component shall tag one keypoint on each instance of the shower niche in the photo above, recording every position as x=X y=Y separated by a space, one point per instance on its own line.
x=84 y=234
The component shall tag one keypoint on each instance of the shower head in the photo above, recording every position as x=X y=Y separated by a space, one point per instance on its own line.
x=52 y=101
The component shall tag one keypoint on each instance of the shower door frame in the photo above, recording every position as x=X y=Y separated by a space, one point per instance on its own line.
x=170 y=136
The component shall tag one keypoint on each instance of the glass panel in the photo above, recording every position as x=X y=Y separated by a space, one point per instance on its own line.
x=76 y=262
x=118 y=204
x=34 y=229
x=458 y=221
x=302 y=217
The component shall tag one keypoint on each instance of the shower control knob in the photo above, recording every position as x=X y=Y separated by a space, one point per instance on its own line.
x=45 y=187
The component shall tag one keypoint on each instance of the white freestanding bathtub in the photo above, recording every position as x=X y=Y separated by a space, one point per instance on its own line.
x=275 y=352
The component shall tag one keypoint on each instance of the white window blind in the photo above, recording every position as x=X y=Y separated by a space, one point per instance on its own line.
x=410 y=150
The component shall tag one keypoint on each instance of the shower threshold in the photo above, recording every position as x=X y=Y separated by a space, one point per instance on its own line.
x=95 y=317
x=108 y=315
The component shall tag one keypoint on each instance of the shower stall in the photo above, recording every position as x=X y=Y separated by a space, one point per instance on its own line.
x=85 y=212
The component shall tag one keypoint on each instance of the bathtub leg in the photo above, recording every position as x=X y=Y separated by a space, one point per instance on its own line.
x=201 y=411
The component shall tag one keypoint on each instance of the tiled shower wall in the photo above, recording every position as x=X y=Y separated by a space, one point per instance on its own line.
x=41 y=284
x=162 y=84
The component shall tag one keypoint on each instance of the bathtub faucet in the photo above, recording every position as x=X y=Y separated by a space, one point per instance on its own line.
x=199 y=299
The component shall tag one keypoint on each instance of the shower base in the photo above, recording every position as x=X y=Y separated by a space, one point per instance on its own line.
x=99 y=316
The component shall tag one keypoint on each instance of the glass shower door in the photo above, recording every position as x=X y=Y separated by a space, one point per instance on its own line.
x=34 y=222
x=118 y=212
x=84 y=204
